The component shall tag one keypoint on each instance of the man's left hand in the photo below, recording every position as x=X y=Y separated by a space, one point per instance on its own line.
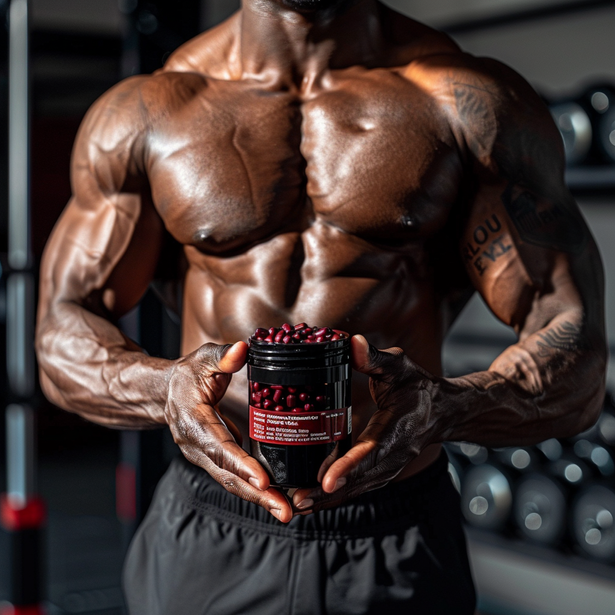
x=398 y=431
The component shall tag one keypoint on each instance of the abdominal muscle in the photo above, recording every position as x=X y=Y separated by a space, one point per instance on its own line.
x=212 y=310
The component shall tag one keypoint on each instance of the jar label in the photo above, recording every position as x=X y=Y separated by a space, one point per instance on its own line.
x=300 y=428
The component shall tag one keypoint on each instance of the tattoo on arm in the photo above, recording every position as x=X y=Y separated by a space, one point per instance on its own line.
x=474 y=111
x=488 y=244
x=549 y=225
x=565 y=336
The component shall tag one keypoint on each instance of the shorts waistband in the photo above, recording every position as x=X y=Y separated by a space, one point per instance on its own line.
x=399 y=504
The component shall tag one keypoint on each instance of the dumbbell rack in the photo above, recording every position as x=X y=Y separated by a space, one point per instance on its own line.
x=517 y=578
x=584 y=179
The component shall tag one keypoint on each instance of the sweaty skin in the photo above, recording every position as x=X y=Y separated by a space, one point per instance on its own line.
x=336 y=163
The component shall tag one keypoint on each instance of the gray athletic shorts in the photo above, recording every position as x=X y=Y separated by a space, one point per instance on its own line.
x=399 y=549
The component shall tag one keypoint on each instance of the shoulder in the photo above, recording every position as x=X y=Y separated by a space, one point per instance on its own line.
x=485 y=102
x=139 y=102
x=456 y=77
x=118 y=124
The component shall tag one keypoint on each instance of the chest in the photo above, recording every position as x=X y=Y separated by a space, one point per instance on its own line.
x=238 y=164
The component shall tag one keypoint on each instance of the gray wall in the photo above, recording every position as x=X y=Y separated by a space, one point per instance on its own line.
x=102 y=16
x=440 y=12
x=555 y=54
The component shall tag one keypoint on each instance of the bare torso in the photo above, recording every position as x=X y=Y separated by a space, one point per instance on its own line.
x=330 y=206
x=350 y=168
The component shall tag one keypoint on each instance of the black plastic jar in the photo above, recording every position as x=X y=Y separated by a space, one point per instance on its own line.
x=300 y=407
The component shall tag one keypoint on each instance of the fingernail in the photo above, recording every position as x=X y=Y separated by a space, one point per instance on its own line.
x=307 y=503
x=276 y=512
x=254 y=482
x=339 y=483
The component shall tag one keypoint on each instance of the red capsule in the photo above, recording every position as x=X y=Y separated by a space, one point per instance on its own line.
x=257 y=404
x=319 y=339
x=277 y=396
x=256 y=396
x=335 y=337
x=265 y=392
x=267 y=404
x=321 y=399
x=287 y=339
x=307 y=331
x=296 y=336
x=304 y=397
x=309 y=407
x=279 y=336
x=322 y=331
x=277 y=387
x=300 y=326
x=310 y=338
x=288 y=328
x=261 y=333
x=291 y=401
x=269 y=339
x=292 y=389
x=256 y=386
x=279 y=408
x=297 y=409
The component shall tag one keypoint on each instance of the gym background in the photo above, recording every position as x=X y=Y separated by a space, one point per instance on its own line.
x=540 y=520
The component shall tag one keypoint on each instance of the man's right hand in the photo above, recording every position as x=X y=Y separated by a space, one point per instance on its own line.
x=206 y=438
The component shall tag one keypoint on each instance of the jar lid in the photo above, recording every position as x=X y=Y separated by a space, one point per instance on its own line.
x=297 y=356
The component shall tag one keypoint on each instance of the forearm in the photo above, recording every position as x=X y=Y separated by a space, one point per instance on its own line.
x=89 y=367
x=549 y=385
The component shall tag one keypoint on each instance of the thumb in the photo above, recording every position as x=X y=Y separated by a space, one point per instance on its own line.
x=233 y=358
x=367 y=359
x=223 y=359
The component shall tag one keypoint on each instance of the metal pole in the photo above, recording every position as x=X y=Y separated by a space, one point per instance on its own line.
x=19 y=136
x=22 y=513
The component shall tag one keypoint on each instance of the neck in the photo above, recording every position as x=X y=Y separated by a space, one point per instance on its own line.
x=297 y=48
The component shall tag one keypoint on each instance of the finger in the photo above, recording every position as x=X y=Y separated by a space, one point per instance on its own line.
x=360 y=455
x=367 y=359
x=306 y=501
x=212 y=437
x=272 y=500
x=233 y=358
x=214 y=365
x=342 y=474
x=326 y=464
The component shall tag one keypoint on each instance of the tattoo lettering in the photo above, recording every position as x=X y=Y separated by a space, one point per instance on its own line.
x=565 y=337
x=477 y=251
x=549 y=225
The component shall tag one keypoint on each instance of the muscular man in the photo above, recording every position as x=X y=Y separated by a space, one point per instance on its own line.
x=333 y=162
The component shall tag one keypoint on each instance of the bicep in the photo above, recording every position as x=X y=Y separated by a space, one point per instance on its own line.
x=103 y=251
x=531 y=256
x=102 y=254
x=523 y=239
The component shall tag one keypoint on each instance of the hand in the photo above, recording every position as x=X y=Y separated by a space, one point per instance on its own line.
x=208 y=439
x=398 y=431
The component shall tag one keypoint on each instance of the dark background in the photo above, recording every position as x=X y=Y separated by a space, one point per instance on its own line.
x=81 y=48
